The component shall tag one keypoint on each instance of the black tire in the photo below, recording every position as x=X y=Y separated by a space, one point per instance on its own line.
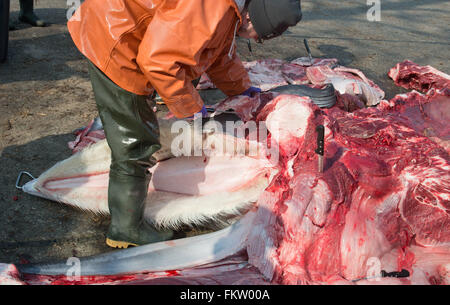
x=4 y=29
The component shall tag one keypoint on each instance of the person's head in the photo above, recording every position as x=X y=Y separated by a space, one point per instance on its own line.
x=265 y=19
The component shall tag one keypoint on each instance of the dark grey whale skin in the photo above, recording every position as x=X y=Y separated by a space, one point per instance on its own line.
x=123 y=261
x=324 y=98
x=177 y=254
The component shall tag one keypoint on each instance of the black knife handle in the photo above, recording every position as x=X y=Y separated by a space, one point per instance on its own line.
x=403 y=273
x=320 y=139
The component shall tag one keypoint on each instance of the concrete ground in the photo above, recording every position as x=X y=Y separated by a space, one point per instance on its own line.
x=45 y=94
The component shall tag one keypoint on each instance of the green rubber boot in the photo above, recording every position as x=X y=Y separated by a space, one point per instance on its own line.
x=132 y=133
x=27 y=15
x=126 y=204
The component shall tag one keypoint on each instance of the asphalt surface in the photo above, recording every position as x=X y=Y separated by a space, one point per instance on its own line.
x=45 y=94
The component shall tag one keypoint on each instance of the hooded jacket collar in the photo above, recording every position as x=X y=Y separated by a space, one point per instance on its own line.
x=240 y=4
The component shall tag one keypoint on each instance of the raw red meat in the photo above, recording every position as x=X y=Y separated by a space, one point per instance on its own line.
x=383 y=197
x=427 y=114
x=270 y=73
x=295 y=71
x=9 y=275
x=264 y=74
x=246 y=107
x=85 y=137
x=349 y=102
x=410 y=75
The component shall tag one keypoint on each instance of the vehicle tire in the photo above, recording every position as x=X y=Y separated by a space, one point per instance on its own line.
x=4 y=29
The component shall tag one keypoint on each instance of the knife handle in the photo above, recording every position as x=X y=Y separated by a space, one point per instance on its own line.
x=249 y=45
x=320 y=139
x=403 y=273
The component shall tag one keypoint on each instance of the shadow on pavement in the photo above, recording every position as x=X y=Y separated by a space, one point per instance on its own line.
x=35 y=229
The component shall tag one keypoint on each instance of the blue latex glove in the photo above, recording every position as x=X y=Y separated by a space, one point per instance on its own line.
x=251 y=91
x=203 y=112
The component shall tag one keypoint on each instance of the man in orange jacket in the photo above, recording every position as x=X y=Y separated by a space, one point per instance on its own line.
x=135 y=47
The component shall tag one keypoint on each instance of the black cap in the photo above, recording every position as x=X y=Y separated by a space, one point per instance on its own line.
x=271 y=18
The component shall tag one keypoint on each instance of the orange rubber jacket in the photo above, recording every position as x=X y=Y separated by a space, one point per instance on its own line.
x=162 y=45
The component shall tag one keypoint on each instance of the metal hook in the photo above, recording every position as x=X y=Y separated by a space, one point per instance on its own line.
x=20 y=177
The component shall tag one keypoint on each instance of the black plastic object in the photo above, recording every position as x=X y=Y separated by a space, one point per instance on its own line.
x=403 y=273
x=4 y=29
x=320 y=139
x=324 y=98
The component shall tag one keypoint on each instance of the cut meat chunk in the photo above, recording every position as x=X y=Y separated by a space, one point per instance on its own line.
x=427 y=114
x=347 y=81
x=410 y=75
x=266 y=74
x=271 y=73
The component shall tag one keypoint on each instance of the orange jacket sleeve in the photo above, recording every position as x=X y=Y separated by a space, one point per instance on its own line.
x=173 y=49
x=228 y=74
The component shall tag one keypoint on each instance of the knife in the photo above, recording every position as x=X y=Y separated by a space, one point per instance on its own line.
x=229 y=111
x=320 y=146
x=249 y=45
x=308 y=50
x=397 y=274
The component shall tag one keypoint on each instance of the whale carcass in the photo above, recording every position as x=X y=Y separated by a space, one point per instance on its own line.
x=378 y=213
